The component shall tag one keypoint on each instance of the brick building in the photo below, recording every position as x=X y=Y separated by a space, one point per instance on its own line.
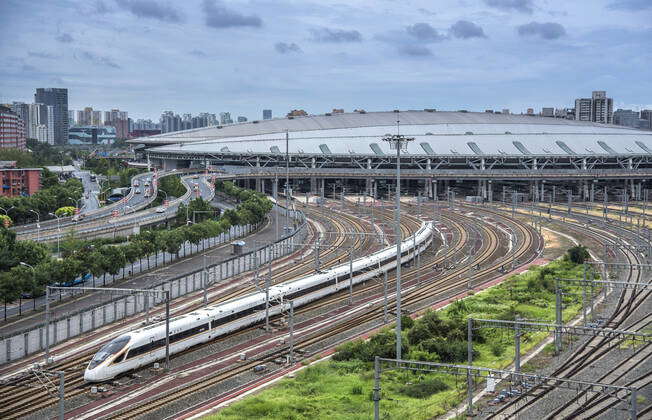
x=12 y=130
x=15 y=182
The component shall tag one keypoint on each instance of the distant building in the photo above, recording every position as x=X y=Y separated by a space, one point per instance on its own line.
x=626 y=117
x=548 y=112
x=297 y=113
x=225 y=118
x=505 y=111
x=602 y=108
x=71 y=118
x=598 y=108
x=17 y=182
x=118 y=120
x=22 y=110
x=489 y=111
x=12 y=130
x=242 y=119
x=91 y=135
x=170 y=122
x=566 y=113
x=267 y=114
x=58 y=99
x=646 y=115
x=530 y=111
x=337 y=111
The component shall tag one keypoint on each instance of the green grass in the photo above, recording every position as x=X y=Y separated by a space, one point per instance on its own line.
x=342 y=389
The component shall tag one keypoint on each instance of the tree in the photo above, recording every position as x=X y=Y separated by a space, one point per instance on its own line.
x=7 y=243
x=9 y=289
x=30 y=252
x=114 y=260
x=65 y=211
x=132 y=252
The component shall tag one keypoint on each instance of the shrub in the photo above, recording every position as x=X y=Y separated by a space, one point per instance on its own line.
x=406 y=322
x=356 y=390
x=497 y=348
x=578 y=254
x=424 y=389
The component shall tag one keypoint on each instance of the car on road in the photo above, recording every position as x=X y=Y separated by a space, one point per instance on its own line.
x=137 y=191
x=136 y=184
x=160 y=209
x=195 y=176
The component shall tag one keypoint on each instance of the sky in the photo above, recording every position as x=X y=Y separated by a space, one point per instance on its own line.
x=243 y=56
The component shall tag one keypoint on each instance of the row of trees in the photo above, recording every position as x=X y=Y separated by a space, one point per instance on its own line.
x=51 y=197
x=98 y=257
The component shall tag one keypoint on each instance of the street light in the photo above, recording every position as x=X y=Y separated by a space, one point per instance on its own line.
x=7 y=210
x=38 y=225
x=58 y=230
x=398 y=142
x=34 y=280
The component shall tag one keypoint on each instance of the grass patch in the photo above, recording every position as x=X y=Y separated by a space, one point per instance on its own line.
x=342 y=388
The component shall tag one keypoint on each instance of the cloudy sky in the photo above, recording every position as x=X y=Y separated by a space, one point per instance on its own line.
x=146 y=56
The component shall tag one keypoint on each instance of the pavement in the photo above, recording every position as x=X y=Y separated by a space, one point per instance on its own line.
x=30 y=318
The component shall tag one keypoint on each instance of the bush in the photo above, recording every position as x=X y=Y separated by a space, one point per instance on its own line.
x=424 y=389
x=406 y=322
x=356 y=390
x=497 y=349
x=578 y=254
x=447 y=350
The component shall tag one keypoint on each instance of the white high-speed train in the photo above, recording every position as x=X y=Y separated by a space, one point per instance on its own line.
x=147 y=344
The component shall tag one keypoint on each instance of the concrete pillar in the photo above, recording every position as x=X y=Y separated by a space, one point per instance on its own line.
x=313 y=180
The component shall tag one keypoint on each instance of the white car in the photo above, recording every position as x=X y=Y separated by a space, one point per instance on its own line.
x=137 y=191
x=160 y=209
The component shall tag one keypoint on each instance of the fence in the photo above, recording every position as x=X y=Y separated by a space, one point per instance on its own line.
x=24 y=343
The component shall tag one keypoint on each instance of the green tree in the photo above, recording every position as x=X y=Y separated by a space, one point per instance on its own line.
x=30 y=252
x=114 y=260
x=9 y=289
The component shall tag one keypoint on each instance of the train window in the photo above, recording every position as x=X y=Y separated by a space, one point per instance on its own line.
x=108 y=350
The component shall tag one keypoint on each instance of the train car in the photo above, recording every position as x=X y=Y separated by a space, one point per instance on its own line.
x=145 y=345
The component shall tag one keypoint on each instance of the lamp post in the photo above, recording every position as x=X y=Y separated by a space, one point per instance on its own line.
x=398 y=142
x=58 y=230
x=38 y=225
x=34 y=280
x=6 y=211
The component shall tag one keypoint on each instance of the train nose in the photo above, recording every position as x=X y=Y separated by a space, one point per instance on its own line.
x=91 y=375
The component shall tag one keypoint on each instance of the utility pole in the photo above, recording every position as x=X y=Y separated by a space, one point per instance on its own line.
x=268 y=280
x=351 y=275
x=292 y=332
x=397 y=141
x=287 y=179
x=205 y=278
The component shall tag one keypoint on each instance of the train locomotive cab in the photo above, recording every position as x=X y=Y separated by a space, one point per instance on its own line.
x=98 y=368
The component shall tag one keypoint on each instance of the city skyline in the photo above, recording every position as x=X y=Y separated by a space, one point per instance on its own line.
x=245 y=57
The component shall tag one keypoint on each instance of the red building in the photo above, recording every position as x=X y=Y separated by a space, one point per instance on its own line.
x=15 y=182
x=12 y=130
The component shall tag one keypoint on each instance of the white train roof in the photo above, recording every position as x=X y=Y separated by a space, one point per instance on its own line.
x=434 y=133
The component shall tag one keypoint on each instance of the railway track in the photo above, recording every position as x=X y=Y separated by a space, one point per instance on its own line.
x=592 y=350
x=22 y=389
x=415 y=296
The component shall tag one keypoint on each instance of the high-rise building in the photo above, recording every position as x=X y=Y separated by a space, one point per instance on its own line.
x=38 y=116
x=80 y=117
x=118 y=120
x=50 y=124
x=598 y=108
x=242 y=119
x=58 y=99
x=170 y=122
x=22 y=110
x=583 y=109
x=71 y=118
x=267 y=114
x=12 y=130
x=96 y=118
x=602 y=108
x=225 y=118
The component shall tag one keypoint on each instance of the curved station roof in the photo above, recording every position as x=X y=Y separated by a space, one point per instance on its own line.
x=434 y=133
